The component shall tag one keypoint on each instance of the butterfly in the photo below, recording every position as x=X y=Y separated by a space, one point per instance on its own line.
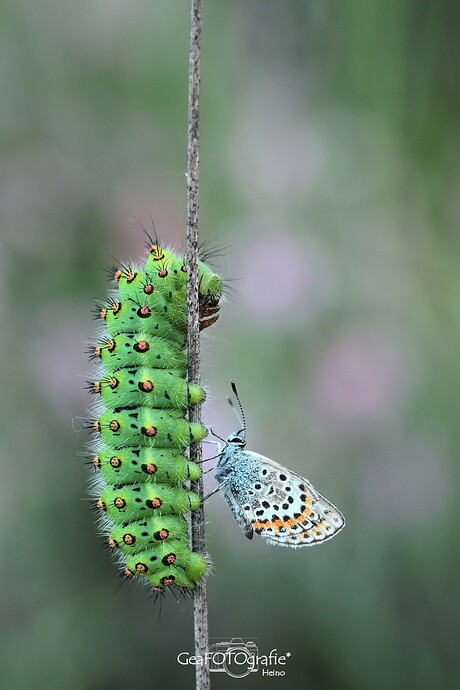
x=271 y=500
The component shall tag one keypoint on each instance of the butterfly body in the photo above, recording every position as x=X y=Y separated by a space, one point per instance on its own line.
x=267 y=498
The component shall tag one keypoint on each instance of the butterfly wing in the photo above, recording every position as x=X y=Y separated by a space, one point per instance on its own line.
x=239 y=514
x=285 y=508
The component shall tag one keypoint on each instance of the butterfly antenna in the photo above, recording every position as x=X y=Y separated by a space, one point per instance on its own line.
x=241 y=419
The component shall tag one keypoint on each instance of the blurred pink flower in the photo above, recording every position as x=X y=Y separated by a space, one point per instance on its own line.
x=359 y=377
x=285 y=280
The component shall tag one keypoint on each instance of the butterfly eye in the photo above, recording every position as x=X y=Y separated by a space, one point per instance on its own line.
x=236 y=440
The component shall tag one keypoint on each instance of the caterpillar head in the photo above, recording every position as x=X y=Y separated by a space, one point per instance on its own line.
x=210 y=289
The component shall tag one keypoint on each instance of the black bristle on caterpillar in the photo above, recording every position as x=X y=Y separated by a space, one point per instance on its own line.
x=139 y=426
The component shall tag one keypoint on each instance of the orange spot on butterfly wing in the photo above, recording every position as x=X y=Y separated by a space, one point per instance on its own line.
x=277 y=524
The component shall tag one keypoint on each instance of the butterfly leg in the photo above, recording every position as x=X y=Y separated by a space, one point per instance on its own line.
x=217 y=436
x=214 y=491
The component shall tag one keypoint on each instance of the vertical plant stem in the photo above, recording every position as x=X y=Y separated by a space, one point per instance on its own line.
x=193 y=331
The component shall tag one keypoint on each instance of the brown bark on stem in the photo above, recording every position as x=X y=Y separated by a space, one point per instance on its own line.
x=193 y=332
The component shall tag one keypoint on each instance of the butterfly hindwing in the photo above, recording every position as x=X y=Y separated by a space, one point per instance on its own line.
x=280 y=505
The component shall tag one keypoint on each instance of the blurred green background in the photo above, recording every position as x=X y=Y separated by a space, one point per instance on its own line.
x=330 y=169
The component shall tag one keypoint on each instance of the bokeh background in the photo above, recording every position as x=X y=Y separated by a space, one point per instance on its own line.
x=330 y=170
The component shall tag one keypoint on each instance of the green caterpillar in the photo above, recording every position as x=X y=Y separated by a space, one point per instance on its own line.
x=141 y=432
